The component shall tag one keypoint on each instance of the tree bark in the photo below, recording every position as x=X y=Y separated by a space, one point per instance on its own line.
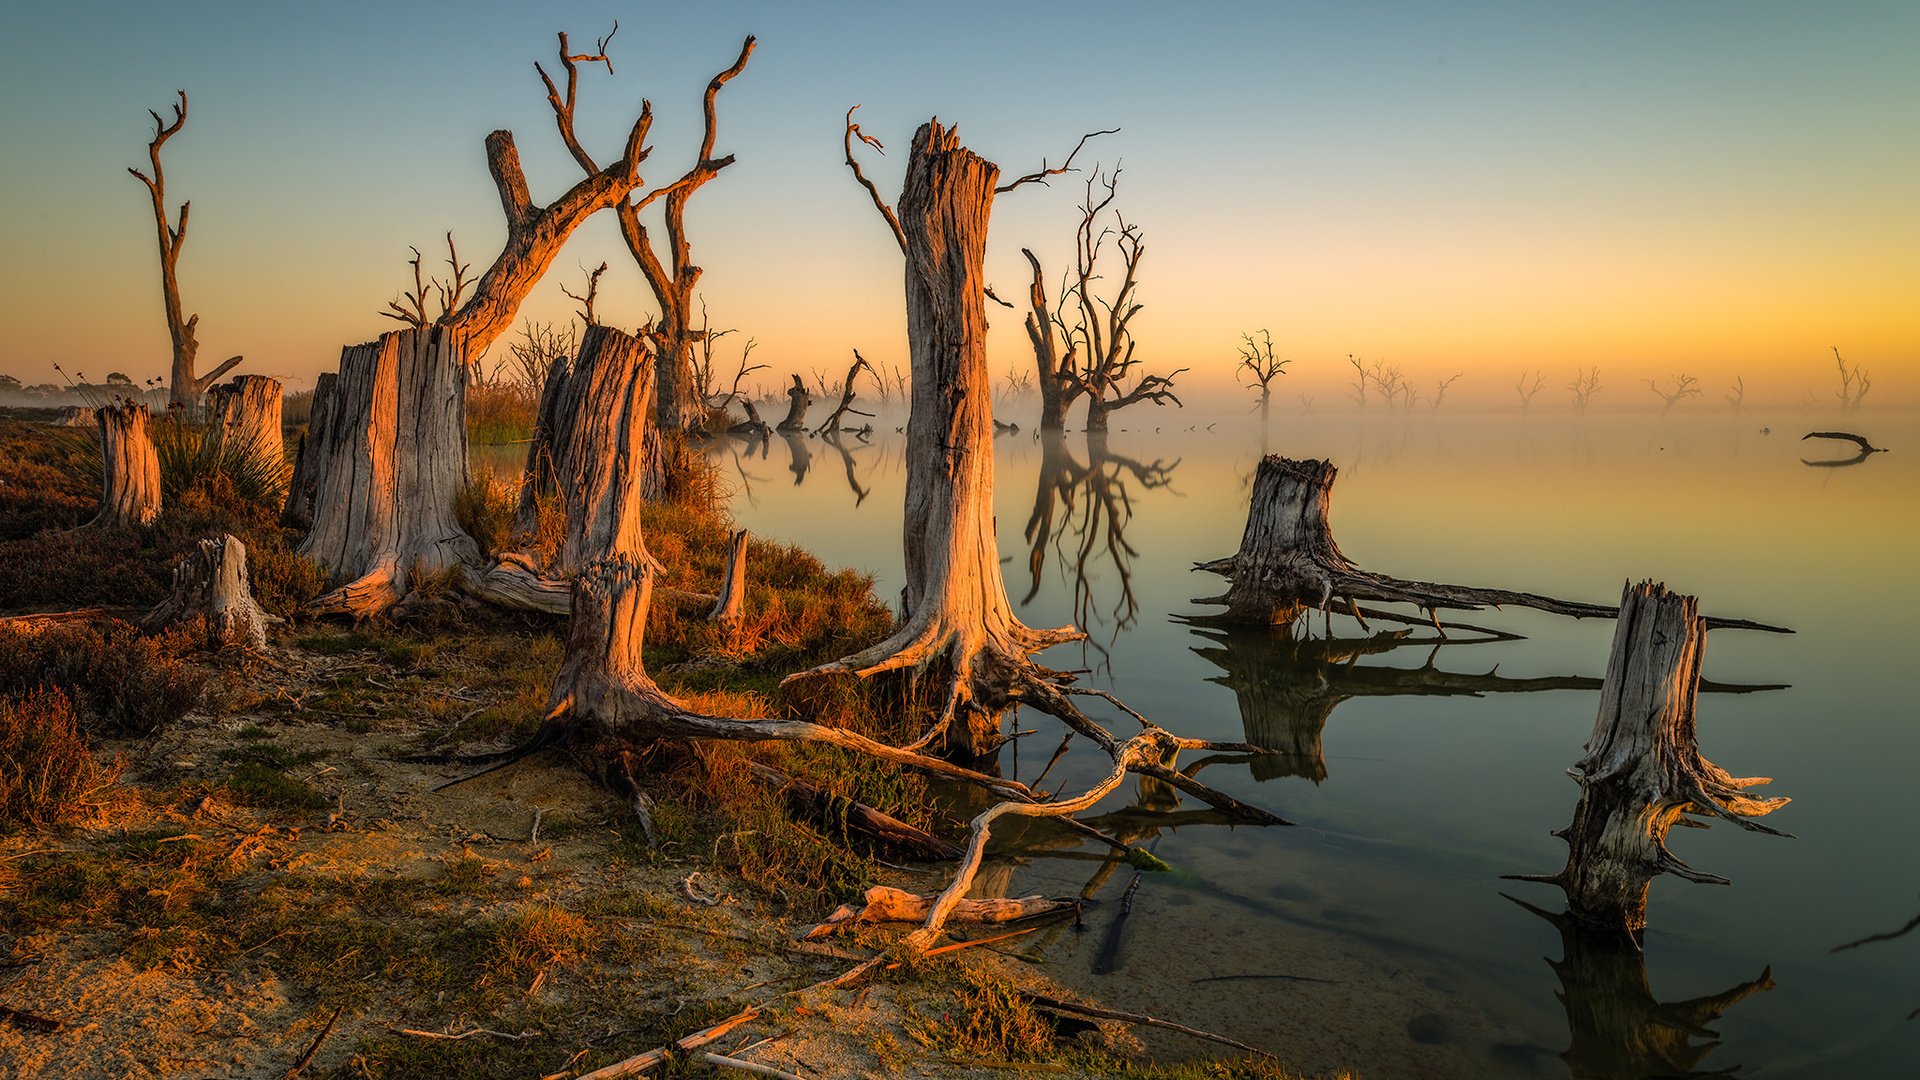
x=957 y=611
x=390 y=463
x=212 y=589
x=304 y=484
x=130 y=469
x=1053 y=359
x=592 y=450
x=246 y=416
x=729 y=608
x=798 y=400
x=1643 y=770
x=1289 y=563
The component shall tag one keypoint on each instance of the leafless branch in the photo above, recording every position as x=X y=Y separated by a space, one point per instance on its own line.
x=593 y=289
x=853 y=132
x=1064 y=167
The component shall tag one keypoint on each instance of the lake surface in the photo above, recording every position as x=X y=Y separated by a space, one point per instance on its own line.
x=1377 y=934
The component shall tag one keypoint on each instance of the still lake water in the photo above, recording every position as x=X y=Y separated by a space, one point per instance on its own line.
x=1378 y=934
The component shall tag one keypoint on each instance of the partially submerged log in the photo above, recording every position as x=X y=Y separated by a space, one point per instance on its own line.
x=752 y=426
x=390 y=463
x=304 y=484
x=883 y=905
x=1642 y=769
x=798 y=400
x=246 y=424
x=211 y=589
x=1288 y=563
x=129 y=467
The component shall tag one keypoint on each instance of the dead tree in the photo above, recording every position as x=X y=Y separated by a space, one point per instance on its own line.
x=1108 y=374
x=389 y=465
x=1642 y=770
x=304 y=483
x=1259 y=367
x=129 y=467
x=246 y=424
x=1585 y=385
x=1288 y=564
x=1854 y=384
x=1736 y=394
x=213 y=592
x=832 y=423
x=678 y=403
x=798 y=401
x=730 y=606
x=185 y=388
x=1055 y=354
x=1678 y=388
x=1527 y=388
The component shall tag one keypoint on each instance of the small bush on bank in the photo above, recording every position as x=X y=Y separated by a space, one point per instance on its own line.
x=45 y=767
x=121 y=680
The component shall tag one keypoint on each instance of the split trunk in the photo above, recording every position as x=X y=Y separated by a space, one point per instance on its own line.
x=305 y=481
x=246 y=421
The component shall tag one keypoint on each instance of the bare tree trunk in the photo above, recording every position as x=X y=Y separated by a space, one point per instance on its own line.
x=598 y=430
x=798 y=400
x=390 y=463
x=246 y=416
x=1097 y=411
x=957 y=612
x=211 y=587
x=307 y=466
x=730 y=607
x=832 y=424
x=1289 y=563
x=130 y=469
x=1643 y=768
x=1054 y=360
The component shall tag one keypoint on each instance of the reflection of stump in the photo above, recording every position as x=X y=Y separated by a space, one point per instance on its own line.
x=246 y=423
x=130 y=469
x=1616 y=1029
x=391 y=463
x=211 y=587
x=307 y=464
x=1643 y=768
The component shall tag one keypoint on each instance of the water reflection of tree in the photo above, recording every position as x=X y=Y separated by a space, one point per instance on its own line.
x=1891 y=935
x=1082 y=512
x=1287 y=687
x=1617 y=1029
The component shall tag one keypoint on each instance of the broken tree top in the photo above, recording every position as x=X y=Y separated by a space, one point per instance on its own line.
x=1289 y=563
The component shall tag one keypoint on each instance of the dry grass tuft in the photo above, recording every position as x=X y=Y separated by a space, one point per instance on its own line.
x=46 y=769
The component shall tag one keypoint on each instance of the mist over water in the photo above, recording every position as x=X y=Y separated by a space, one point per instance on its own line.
x=1375 y=934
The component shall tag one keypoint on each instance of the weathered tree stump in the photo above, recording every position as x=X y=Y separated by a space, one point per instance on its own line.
x=591 y=447
x=211 y=588
x=74 y=416
x=730 y=606
x=304 y=483
x=1642 y=769
x=798 y=401
x=832 y=423
x=957 y=611
x=129 y=467
x=752 y=426
x=1288 y=564
x=246 y=417
x=390 y=463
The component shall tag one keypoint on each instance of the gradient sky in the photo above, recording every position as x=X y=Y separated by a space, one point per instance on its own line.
x=1719 y=188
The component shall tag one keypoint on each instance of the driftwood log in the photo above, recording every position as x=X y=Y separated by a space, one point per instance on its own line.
x=1642 y=769
x=212 y=590
x=798 y=401
x=1289 y=564
x=246 y=423
x=882 y=905
x=388 y=466
x=752 y=426
x=129 y=467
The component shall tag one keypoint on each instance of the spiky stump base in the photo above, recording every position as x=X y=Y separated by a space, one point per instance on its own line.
x=1643 y=770
x=211 y=588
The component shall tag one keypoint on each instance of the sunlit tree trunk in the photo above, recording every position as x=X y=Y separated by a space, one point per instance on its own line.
x=130 y=469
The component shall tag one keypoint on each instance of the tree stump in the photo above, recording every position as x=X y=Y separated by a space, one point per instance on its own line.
x=730 y=607
x=211 y=587
x=246 y=417
x=1642 y=769
x=74 y=416
x=129 y=467
x=957 y=611
x=798 y=401
x=304 y=484
x=391 y=461
x=1288 y=564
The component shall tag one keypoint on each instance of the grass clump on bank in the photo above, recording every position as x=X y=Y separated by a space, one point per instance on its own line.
x=46 y=767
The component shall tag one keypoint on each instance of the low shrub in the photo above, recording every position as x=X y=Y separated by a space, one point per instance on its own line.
x=45 y=766
x=123 y=681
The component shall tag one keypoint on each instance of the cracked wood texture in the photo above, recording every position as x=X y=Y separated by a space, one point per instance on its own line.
x=130 y=469
x=247 y=422
x=391 y=461
x=1642 y=768
x=305 y=481
x=211 y=588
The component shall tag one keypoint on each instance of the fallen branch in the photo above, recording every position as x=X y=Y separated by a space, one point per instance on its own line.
x=314 y=1047
x=883 y=904
x=882 y=827
x=1099 y=1013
